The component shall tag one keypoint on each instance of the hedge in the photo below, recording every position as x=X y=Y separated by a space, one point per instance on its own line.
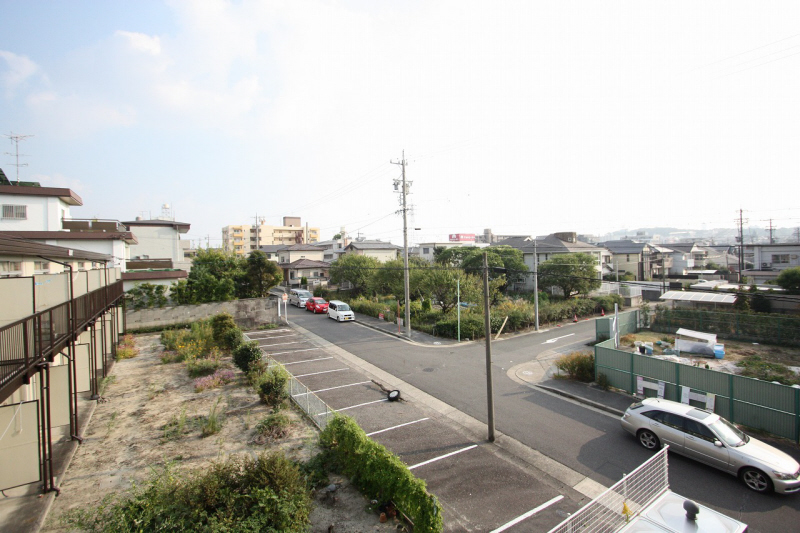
x=380 y=474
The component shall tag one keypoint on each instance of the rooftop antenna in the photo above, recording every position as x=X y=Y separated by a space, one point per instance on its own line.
x=16 y=139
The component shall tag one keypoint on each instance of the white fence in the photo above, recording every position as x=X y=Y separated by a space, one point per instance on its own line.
x=622 y=502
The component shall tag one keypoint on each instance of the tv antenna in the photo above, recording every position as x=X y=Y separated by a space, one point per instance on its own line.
x=16 y=139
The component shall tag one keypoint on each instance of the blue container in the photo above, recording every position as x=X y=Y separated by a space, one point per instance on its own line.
x=719 y=351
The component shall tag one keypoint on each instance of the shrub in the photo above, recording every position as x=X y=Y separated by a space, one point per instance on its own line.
x=246 y=354
x=577 y=365
x=273 y=427
x=603 y=382
x=202 y=367
x=232 y=339
x=263 y=493
x=271 y=386
x=217 y=379
x=380 y=474
x=220 y=325
x=126 y=352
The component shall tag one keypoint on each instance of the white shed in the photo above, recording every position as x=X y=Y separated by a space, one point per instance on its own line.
x=695 y=341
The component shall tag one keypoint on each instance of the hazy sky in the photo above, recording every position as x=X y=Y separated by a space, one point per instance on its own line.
x=524 y=117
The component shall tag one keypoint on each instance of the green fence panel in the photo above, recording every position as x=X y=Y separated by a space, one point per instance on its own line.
x=760 y=417
x=628 y=323
x=722 y=406
x=613 y=358
x=616 y=378
x=704 y=380
x=764 y=393
x=654 y=368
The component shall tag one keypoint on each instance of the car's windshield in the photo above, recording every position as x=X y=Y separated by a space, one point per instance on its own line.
x=728 y=433
x=319 y=301
x=343 y=307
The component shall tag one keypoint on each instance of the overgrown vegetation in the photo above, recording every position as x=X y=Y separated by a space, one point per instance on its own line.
x=577 y=365
x=266 y=493
x=747 y=326
x=271 y=384
x=212 y=424
x=274 y=427
x=126 y=348
x=754 y=366
x=215 y=380
x=380 y=474
x=246 y=355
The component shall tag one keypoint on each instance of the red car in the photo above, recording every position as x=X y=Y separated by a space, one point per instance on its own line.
x=317 y=305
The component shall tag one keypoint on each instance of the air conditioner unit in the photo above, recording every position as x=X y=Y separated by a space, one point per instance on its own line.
x=765 y=266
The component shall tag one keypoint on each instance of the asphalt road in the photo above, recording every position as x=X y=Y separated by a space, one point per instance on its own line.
x=584 y=439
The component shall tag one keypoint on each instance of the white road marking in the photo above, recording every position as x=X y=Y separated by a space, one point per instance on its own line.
x=442 y=457
x=295 y=351
x=398 y=426
x=252 y=335
x=306 y=361
x=279 y=344
x=359 y=405
x=332 y=388
x=323 y=372
x=549 y=341
x=530 y=513
x=276 y=337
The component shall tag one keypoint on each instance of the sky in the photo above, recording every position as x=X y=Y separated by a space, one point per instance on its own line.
x=523 y=117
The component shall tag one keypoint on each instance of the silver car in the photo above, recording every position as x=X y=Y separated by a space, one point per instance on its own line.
x=707 y=437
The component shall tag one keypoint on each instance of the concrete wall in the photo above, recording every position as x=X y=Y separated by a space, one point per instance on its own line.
x=44 y=213
x=247 y=313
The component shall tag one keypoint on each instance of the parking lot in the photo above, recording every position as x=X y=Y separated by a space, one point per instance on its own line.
x=480 y=485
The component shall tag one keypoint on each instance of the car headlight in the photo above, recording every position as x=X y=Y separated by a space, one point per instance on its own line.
x=783 y=475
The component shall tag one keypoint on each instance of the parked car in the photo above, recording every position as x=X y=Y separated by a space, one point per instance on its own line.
x=317 y=305
x=340 y=311
x=299 y=297
x=707 y=437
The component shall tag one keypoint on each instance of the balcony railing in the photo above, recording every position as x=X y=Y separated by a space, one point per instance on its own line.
x=37 y=338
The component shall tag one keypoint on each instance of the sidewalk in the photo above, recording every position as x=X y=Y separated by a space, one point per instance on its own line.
x=416 y=336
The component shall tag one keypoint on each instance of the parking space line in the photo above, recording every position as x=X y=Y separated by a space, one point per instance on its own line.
x=397 y=426
x=339 y=387
x=307 y=361
x=279 y=344
x=445 y=456
x=252 y=335
x=323 y=372
x=277 y=337
x=293 y=351
x=530 y=513
x=359 y=405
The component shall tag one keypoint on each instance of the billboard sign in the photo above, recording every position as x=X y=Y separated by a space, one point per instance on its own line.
x=462 y=237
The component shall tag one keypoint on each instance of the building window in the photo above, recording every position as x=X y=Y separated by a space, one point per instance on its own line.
x=780 y=259
x=41 y=266
x=627 y=258
x=10 y=269
x=15 y=212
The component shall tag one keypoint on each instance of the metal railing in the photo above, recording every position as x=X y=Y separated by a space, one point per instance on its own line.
x=623 y=501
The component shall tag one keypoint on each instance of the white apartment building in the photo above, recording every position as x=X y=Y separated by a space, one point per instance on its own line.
x=243 y=239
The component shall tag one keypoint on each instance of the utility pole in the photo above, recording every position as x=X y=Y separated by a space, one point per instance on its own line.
x=404 y=192
x=487 y=322
x=741 y=245
x=16 y=139
x=771 y=240
x=535 y=285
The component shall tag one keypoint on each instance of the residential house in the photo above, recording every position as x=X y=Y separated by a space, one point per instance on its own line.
x=766 y=261
x=30 y=207
x=535 y=251
x=382 y=251
x=159 y=255
x=631 y=256
x=334 y=248
x=58 y=332
x=243 y=239
x=299 y=261
x=427 y=249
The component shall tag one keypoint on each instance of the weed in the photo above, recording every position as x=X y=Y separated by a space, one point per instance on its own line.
x=110 y=424
x=202 y=367
x=247 y=418
x=603 y=382
x=176 y=427
x=627 y=339
x=274 y=427
x=755 y=367
x=217 y=379
x=105 y=382
x=577 y=365
x=267 y=326
x=213 y=422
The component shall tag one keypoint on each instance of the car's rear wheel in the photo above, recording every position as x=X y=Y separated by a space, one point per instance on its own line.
x=756 y=480
x=648 y=439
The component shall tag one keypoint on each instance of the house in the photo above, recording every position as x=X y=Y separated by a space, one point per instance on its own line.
x=334 y=248
x=58 y=332
x=535 y=251
x=243 y=239
x=631 y=256
x=766 y=261
x=159 y=240
x=295 y=252
x=382 y=251
x=686 y=257
x=315 y=272
x=30 y=207
x=427 y=249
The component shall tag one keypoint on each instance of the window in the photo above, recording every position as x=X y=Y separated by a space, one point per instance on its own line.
x=781 y=259
x=699 y=430
x=426 y=251
x=668 y=419
x=15 y=212
x=41 y=266
x=627 y=258
x=10 y=269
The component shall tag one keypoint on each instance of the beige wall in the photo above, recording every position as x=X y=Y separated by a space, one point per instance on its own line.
x=17 y=298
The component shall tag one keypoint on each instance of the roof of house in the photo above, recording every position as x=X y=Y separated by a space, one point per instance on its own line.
x=548 y=244
x=306 y=263
x=271 y=248
x=372 y=245
x=515 y=242
x=65 y=195
x=182 y=227
x=140 y=275
x=626 y=247
x=711 y=297
x=303 y=248
x=683 y=247
x=126 y=236
x=15 y=246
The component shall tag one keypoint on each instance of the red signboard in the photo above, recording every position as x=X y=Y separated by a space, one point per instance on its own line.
x=462 y=237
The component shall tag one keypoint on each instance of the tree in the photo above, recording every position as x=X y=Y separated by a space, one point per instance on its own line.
x=337 y=236
x=216 y=276
x=503 y=261
x=440 y=286
x=180 y=294
x=261 y=275
x=572 y=273
x=789 y=280
x=389 y=278
x=355 y=269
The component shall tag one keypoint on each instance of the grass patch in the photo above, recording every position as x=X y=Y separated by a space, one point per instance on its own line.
x=215 y=380
x=577 y=365
x=105 y=382
x=212 y=424
x=273 y=427
x=177 y=427
x=754 y=366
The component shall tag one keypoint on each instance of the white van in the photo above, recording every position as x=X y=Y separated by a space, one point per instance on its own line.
x=340 y=311
x=299 y=297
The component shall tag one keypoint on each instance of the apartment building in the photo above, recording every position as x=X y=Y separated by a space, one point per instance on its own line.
x=243 y=239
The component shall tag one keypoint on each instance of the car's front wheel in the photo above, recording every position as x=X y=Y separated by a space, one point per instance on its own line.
x=648 y=439
x=756 y=480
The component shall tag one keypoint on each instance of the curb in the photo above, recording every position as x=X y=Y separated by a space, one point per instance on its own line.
x=580 y=399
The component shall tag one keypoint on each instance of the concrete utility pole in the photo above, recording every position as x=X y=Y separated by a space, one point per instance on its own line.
x=741 y=245
x=536 y=285
x=407 y=290
x=487 y=322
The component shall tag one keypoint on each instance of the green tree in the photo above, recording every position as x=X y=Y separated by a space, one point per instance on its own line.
x=504 y=261
x=145 y=295
x=789 y=280
x=389 y=278
x=355 y=269
x=572 y=273
x=216 y=276
x=260 y=276
x=180 y=294
x=440 y=286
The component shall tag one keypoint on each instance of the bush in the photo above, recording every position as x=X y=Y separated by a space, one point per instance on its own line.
x=263 y=493
x=380 y=474
x=603 y=382
x=577 y=365
x=220 y=325
x=246 y=355
x=273 y=427
x=271 y=386
x=232 y=339
x=126 y=348
x=217 y=379
x=202 y=367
